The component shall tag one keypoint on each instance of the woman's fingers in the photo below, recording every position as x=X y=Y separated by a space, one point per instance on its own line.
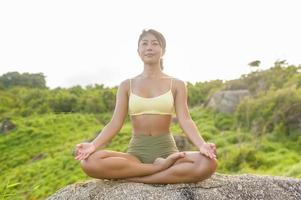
x=205 y=152
x=213 y=155
x=82 y=155
x=212 y=145
x=79 y=155
x=212 y=148
x=209 y=152
x=78 y=149
x=86 y=155
x=214 y=152
x=82 y=151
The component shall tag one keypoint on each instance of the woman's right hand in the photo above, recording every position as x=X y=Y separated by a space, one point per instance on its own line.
x=83 y=150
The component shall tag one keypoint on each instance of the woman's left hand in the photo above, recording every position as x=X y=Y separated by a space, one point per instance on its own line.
x=208 y=149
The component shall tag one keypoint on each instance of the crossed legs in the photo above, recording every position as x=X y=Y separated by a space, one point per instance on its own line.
x=176 y=168
x=193 y=167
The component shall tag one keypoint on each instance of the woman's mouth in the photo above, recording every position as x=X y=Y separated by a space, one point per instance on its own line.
x=149 y=54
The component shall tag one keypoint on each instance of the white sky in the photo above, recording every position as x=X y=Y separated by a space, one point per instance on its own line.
x=86 y=42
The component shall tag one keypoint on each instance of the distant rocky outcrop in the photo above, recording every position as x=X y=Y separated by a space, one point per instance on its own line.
x=219 y=186
x=292 y=117
x=226 y=101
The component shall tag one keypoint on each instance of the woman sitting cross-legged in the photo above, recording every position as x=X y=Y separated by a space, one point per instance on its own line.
x=150 y=98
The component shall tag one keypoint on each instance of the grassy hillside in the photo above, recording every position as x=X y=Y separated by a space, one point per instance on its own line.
x=263 y=136
x=245 y=152
x=36 y=157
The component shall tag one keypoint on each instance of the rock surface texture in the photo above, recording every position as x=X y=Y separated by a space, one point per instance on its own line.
x=219 y=186
x=226 y=101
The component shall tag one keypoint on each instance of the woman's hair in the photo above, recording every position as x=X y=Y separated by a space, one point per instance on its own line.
x=158 y=36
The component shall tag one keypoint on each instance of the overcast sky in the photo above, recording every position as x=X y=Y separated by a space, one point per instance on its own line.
x=86 y=42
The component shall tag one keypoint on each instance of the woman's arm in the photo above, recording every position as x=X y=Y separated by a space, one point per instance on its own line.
x=183 y=115
x=117 y=120
x=187 y=124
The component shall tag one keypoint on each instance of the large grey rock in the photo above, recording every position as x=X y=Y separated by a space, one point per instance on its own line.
x=219 y=186
x=226 y=101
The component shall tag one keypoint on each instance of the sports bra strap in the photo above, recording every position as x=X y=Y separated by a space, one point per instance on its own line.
x=130 y=85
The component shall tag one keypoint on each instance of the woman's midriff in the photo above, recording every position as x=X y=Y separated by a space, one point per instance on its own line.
x=151 y=124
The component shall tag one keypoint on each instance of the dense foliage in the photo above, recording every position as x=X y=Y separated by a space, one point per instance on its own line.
x=23 y=101
x=13 y=79
x=278 y=76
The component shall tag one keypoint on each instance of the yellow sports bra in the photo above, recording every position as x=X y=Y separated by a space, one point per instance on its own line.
x=161 y=105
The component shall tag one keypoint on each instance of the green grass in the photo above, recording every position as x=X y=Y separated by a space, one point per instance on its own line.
x=36 y=157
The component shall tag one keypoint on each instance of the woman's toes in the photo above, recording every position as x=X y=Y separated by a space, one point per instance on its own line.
x=159 y=161
x=178 y=155
x=182 y=154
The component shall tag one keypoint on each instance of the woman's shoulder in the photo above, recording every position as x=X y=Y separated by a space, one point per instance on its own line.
x=174 y=80
x=126 y=82
x=125 y=85
x=177 y=81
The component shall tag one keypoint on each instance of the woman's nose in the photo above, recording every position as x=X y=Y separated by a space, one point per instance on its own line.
x=149 y=47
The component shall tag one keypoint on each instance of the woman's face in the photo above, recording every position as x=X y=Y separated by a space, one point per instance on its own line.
x=149 y=49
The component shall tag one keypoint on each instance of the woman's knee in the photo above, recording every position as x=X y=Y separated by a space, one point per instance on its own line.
x=88 y=166
x=212 y=165
x=92 y=164
x=95 y=170
x=205 y=167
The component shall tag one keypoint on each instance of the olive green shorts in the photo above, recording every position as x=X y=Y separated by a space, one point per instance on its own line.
x=147 y=148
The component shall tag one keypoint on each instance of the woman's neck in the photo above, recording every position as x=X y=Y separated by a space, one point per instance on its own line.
x=151 y=71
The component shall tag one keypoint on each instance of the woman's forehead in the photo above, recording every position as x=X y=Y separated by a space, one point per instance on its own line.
x=148 y=37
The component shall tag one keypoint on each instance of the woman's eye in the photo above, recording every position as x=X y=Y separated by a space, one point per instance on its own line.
x=144 y=43
x=155 y=43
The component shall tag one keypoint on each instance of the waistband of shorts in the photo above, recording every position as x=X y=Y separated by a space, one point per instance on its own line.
x=152 y=136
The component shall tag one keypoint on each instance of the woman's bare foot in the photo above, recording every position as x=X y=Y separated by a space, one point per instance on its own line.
x=159 y=161
x=165 y=163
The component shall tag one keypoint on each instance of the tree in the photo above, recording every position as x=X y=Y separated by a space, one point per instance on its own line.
x=13 y=79
x=254 y=65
